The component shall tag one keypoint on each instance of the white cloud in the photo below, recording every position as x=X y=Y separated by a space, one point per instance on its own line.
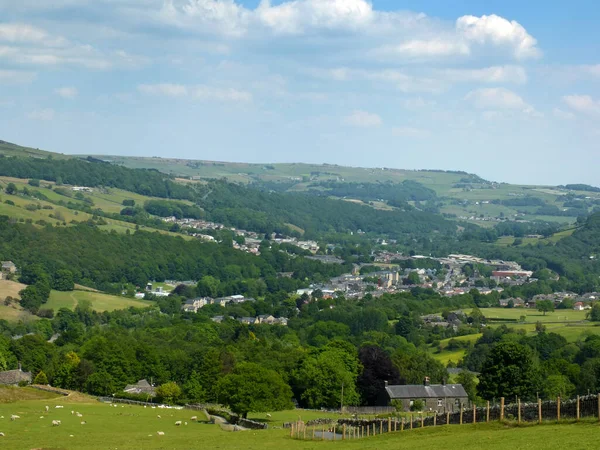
x=42 y=114
x=497 y=98
x=363 y=119
x=167 y=89
x=494 y=74
x=582 y=103
x=499 y=31
x=562 y=114
x=433 y=48
x=67 y=92
x=409 y=132
x=18 y=33
x=200 y=92
x=418 y=103
x=16 y=76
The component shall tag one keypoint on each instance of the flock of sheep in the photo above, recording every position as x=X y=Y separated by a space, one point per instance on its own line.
x=57 y=423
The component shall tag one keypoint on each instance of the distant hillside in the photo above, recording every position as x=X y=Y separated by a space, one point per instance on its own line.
x=9 y=149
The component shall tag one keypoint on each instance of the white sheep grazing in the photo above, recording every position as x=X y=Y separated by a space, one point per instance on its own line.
x=58 y=407
x=83 y=423
x=72 y=412
x=55 y=423
x=268 y=415
x=160 y=433
x=158 y=416
x=194 y=418
x=178 y=423
x=47 y=408
x=14 y=417
x=79 y=414
x=41 y=417
x=1 y=434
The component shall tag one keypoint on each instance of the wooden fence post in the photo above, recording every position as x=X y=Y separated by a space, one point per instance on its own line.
x=540 y=411
x=422 y=420
x=435 y=419
x=461 y=414
x=487 y=412
x=447 y=417
x=344 y=432
x=374 y=429
x=411 y=421
x=292 y=431
x=402 y=423
x=558 y=409
x=368 y=430
x=323 y=434
x=519 y=410
x=577 y=408
x=389 y=424
x=395 y=424
x=474 y=413
x=381 y=427
x=501 y=409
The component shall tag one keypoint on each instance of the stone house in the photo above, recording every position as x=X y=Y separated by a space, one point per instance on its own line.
x=14 y=377
x=435 y=397
x=141 y=387
x=9 y=267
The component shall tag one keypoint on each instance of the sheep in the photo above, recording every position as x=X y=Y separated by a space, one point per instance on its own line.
x=185 y=423
x=58 y=407
x=1 y=434
x=158 y=416
x=160 y=433
x=178 y=423
x=194 y=418
x=79 y=414
x=83 y=423
x=55 y=423
x=41 y=417
x=14 y=417
x=47 y=408
x=268 y=415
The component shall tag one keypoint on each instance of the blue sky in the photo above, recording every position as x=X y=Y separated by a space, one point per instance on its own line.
x=509 y=90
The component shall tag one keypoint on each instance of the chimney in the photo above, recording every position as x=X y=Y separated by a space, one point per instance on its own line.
x=20 y=366
x=385 y=383
x=426 y=381
x=443 y=382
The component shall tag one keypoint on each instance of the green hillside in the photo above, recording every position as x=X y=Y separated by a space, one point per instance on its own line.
x=9 y=149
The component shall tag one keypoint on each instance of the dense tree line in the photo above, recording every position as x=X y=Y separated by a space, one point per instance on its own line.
x=102 y=259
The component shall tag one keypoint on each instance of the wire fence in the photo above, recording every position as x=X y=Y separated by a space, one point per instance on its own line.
x=530 y=412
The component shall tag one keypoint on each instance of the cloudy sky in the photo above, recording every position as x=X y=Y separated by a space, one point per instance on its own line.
x=506 y=89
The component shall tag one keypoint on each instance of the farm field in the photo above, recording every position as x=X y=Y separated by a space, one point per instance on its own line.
x=533 y=315
x=134 y=427
x=453 y=355
x=100 y=302
x=12 y=312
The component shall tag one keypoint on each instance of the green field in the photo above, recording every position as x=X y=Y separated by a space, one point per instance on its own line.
x=454 y=355
x=100 y=302
x=533 y=315
x=134 y=427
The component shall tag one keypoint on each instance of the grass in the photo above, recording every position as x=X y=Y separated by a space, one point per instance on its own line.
x=100 y=302
x=13 y=394
x=454 y=355
x=133 y=427
x=533 y=315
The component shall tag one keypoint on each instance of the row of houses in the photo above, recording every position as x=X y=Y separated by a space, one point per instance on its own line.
x=265 y=319
x=193 y=305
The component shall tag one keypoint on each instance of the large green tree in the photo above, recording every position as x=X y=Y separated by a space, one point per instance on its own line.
x=508 y=371
x=252 y=388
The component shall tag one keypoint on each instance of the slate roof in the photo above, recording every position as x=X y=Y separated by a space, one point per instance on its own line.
x=141 y=387
x=14 y=377
x=422 y=391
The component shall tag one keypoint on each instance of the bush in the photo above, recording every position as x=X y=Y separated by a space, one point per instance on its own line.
x=417 y=405
x=40 y=378
x=9 y=202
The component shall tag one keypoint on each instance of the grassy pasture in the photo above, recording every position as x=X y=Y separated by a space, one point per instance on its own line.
x=134 y=427
x=533 y=315
x=100 y=302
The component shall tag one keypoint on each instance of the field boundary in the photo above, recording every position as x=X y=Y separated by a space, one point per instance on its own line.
x=531 y=412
